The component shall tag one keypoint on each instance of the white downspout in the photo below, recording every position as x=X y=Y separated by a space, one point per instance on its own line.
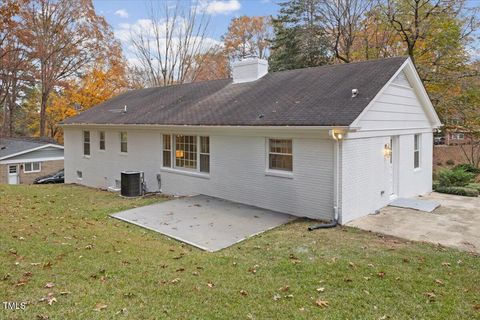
x=337 y=136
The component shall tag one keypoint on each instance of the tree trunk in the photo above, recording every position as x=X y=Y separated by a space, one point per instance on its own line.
x=43 y=114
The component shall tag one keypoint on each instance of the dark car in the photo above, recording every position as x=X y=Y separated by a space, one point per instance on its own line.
x=438 y=140
x=58 y=177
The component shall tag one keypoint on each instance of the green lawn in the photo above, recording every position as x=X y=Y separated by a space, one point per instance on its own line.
x=62 y=235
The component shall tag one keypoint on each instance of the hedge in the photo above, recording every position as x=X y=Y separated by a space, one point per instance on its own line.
x=459 y=191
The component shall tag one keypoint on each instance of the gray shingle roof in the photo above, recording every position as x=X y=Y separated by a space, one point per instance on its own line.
x=320 y=96
x=9 y=146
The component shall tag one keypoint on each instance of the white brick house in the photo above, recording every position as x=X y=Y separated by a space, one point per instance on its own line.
x=334 y=142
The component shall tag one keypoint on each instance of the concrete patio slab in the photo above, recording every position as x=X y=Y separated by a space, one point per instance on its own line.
x=456 y=223
x=417 y=204
x=208 y=223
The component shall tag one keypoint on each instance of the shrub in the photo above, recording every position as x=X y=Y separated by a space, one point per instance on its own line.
x=454 y=178
x=450 y=162
x=435 y=184
x=459 y=191
x=475 y=186
x=468 y=168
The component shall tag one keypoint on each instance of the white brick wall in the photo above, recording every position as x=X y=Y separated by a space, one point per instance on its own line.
x=237 y=169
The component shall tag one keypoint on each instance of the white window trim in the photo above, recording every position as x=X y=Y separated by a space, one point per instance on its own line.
x=120 y=139
x=187 y=171
x=457 y=135
x=32 y=171
x=273 y=172
x=89 y=143
x=419 y=150
x=104 y=141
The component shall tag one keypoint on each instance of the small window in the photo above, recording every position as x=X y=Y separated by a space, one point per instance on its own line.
x=416 y=151
x=280 y=155
x=167 y=150
x=204 y=154
x=31 y=167
x=457 y=136
x=101 y=139
x=12 y=169
x=123 y=142
x=186 y=152
x=79 y=174
x=86 y=143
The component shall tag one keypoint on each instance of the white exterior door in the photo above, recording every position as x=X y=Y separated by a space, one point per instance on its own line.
x=390 y=164
x=13 y=174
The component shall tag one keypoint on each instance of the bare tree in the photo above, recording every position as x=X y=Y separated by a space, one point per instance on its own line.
x=411 y=19
x=341 y=21
x=166 y=48
x=66 y=35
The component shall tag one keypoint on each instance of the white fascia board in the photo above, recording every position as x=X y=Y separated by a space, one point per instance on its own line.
x=419 y=89
x=32 y=149
x=31 y=160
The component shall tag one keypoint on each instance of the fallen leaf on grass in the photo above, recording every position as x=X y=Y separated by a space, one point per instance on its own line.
x=351 y=264
x=284 y=288
x=50 y=285
x=122 y=311
x=477 y=307
x=320 y=289
x=49 y=298
x=64 y=293
x=445 y=264
x=210 y=285
x=321 y=303
x=440 y=282
x=180 y=270
x=176 y=280
x=243 y=293
x=289 y=296
x=42 y=317
x=277 y=297
x=381 y=274
x=100 y=307
x=431 y=296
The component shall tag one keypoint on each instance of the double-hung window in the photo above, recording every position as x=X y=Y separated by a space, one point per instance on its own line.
x=101 y=140
x=280 y=155
x=123 y=142
x=204 y=154
x=167 y=150
x=29 y=167
x=186 y=152
x=416 y=151
x=86 y=143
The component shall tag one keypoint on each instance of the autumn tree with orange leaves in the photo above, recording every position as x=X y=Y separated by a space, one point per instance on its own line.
x=248 y=36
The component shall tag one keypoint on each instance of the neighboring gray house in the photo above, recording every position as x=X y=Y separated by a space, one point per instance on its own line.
x=22 y=160
x=335 y=141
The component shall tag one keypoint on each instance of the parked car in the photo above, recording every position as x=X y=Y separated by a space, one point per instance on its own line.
x=438 y=140
x=58 y=177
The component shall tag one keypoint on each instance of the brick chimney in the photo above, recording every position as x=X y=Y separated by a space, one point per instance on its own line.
x=249 y=69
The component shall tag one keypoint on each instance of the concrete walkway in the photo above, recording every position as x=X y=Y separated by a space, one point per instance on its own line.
x=456 y=223
x=207 y=223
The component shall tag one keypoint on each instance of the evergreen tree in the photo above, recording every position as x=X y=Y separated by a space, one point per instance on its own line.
x=299 y=41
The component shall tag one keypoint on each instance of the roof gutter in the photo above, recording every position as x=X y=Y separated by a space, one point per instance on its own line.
x=153 y=126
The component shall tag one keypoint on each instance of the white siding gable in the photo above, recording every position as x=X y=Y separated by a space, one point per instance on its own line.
x=397 y=107
x=401 y=79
